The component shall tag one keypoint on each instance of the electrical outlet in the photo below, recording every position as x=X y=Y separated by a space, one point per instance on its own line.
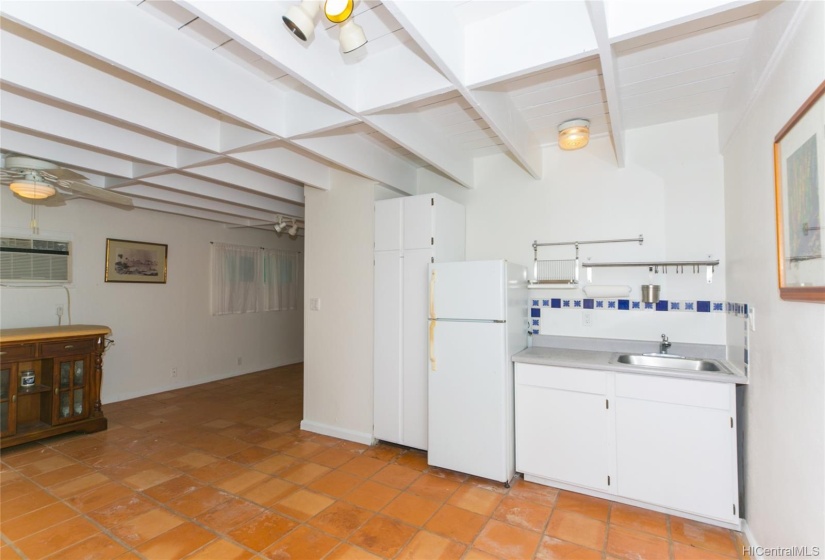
x=315 y=304
x=587 y=318
x=59 y=310
x=174 y=372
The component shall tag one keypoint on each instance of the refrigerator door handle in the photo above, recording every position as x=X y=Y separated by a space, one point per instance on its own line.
x=432 y=295
x=432 y=345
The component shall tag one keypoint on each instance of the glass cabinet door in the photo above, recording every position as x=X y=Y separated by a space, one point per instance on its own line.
x=8 y=400
x=71 y=402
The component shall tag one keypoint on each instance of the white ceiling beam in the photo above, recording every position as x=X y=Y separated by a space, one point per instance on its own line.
x=239 y=176
x=235 y=136
x=449 y=54
x=63 y=154
x=199 y=187
x=287 y=162
x=188 y=157
x=81 y=129
x=90 y=89
x=158 y=206
x=140 y=43
x=360 y=155
x=611 y=83
x=183 y=199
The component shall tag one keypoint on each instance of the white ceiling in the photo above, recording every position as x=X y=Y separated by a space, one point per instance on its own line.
x=213 y=109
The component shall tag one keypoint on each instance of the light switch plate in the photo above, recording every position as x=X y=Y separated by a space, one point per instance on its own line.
x=315 y=304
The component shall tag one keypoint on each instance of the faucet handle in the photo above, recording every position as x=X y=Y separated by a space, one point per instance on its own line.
x=664 y=338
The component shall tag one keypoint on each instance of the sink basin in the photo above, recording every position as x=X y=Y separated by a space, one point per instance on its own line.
x=669 y=362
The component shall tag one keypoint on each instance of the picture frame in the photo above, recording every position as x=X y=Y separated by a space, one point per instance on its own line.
x=799 y=177
x=135 y=261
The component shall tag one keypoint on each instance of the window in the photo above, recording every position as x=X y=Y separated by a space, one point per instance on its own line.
x=280 y=284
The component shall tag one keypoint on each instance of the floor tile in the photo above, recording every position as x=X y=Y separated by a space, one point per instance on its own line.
x=47 y=464
x=532 y=492
x=683 y=551
x=555 y=549
x=577 y=528
x=120 y=510
x=384 y=451
x=362 y=466
x=506 y=541
x=250 y=455
x=304 y=473
x=97 y=547
x=269 y=491
x=148 y=525
x=304 y=449
x=218 y=470
x=221 y=549
x=704 y=536
x=433 y=487
x=193 y=504
x=62 y=475
x=177 y=542
x=243 y=480
x=173 y=488
x=275 y=464
x=37 y=520
x=262 y=531
x=635 y=545
x=382 y=536
x=336 y=483
x=639 y=519
x=371 y=495
x=303 y=504
x=16 y=489
x=456 y=523
x=411 y=509
x=333 y=457
x=585 y=505
x=25 y=504
x=346 y=551
x=522 y=513
x=415 y=460
x=476 y=554
x=78 y=485
x=341 y=519
x=229 y=514
x=432 y=547
x=302 y=543
x=475 y=499
x=396 y=476
x=57 y=538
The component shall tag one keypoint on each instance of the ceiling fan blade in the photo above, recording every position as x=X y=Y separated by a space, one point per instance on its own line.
x=88 y=191
x=54 y=200
x=63 y=174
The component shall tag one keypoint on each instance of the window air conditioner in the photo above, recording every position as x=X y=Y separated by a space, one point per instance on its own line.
x=35 y=260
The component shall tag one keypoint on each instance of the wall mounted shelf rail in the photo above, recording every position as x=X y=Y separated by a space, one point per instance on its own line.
x=565 y=272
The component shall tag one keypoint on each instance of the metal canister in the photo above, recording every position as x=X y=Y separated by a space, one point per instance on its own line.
x=27 y=378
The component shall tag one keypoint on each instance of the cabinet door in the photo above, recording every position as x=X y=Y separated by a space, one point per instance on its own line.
x=418 y=222
x=8 y=399
x=414 y=349
x=71 y=389
x=387 y=347
x=677 y=456
x=562 y=435
x=388 y=224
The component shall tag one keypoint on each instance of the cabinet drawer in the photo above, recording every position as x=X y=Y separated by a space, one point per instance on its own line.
x=687 y=392
x=16 y=352
x=568 y=379
x=67 y=347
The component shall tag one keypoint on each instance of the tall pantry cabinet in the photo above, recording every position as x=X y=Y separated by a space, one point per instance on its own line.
x=410 y=233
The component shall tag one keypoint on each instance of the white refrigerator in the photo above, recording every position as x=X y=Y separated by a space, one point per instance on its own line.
x=477 y=321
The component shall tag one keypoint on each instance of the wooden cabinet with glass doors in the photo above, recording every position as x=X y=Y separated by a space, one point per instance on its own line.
x=50 y=380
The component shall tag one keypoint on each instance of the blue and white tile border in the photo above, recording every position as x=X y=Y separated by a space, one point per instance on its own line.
x=680 y=306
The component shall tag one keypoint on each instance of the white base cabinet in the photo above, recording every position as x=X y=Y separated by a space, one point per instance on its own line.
x=665 y=443
x=410 y=233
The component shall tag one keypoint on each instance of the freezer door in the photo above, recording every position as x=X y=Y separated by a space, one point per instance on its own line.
x=387 y=364
x=470 y=290
x=469 y=399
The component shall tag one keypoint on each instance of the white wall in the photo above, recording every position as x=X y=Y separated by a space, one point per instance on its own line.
x=338 y=343
x=155 y=327
x=785 y=426
x=671 y=191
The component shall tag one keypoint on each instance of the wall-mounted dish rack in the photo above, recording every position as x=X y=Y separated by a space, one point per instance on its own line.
x=564 y=272
x=655 y=266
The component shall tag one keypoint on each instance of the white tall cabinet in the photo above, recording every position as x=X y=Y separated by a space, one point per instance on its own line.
x=410 y=233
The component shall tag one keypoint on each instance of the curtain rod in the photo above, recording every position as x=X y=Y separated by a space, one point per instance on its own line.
x=261 y=248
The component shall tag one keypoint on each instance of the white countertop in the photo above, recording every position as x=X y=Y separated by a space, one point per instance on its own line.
x=601 y=360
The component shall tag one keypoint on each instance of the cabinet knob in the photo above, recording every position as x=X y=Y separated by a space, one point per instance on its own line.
x=68 y=347
x=56 y=390
x=14 y=398
x=2 y=353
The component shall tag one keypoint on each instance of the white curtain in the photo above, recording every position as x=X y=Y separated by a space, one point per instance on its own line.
x=235 y=278
x=281 y=280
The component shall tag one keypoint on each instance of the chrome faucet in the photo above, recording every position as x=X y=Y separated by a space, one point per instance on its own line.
x=664 y=345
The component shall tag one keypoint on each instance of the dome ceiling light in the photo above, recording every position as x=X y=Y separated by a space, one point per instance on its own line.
x=574 y=134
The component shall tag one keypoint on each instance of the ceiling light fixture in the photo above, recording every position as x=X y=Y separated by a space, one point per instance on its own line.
x=574 y=134
x=338 y=10
x=351 y=36
x=293 y=231
x=31 y=188
x=292 y=223
x=301 y=19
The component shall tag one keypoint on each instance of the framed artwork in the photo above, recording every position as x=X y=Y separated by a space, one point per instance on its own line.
x=799 y=175
x=135 y=261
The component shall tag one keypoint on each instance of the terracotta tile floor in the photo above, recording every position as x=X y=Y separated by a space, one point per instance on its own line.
x=221 y=471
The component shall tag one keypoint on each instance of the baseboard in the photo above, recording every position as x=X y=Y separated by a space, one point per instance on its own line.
x=335 y=431
x=754 y=546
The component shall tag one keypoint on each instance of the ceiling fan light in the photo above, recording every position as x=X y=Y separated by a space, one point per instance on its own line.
x=34 y=190
x=301 y=19
x=351 y=36
x=338 y=10
x=574 y=134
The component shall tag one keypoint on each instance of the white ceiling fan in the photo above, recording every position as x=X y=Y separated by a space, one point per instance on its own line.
x=35 y=179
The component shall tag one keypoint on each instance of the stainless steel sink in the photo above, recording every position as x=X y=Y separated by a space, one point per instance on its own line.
x=665 y=361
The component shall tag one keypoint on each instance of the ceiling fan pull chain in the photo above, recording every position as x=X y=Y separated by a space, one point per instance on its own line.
x=33 y=223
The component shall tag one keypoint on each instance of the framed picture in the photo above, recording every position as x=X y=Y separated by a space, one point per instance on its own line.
x=135 y=261
x=799 y=174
